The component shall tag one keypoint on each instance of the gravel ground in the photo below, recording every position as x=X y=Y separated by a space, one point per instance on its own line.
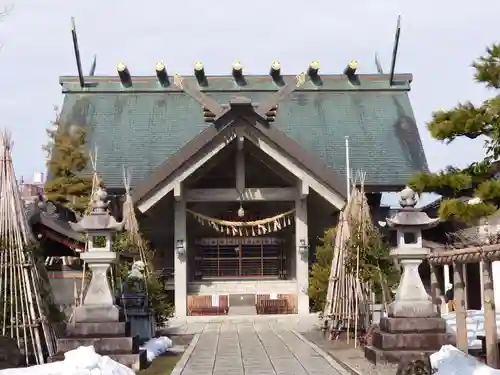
x=353 y=358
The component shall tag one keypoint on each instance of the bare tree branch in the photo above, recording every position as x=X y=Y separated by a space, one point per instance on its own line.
x=4 y=13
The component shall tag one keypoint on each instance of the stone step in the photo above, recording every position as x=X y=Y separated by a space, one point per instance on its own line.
x=406 y=325
x=108 y=329
x=376 y=355
x=101 y=344
x=410 y=341
x=242 y=310
x=136 y=361
x=241 y=300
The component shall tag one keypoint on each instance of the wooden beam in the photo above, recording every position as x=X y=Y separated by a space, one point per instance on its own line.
x=168 y=185
x=331 y=196
x=285 y=177
x=180 y=176
x=249 y=194
x=240 y=165
x=303 y=189
x=178 y=191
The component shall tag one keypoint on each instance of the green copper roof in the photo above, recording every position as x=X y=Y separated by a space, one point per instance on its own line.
x=141 y=126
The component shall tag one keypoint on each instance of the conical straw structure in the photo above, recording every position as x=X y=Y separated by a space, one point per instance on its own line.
x=346 y=295
x=24 y=293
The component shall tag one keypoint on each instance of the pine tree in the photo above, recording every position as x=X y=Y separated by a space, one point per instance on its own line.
x=469 y=121
x=320 y=271
x=67 y=159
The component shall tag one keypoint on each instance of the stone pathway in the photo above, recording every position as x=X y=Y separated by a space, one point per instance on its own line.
x=255 y=348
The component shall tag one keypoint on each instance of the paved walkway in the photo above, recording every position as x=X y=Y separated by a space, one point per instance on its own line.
x=254 y=348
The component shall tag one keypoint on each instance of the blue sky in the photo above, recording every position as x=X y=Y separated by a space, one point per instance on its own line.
x=439 y=40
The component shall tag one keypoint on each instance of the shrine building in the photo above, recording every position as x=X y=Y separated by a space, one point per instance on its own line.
x=237 y=176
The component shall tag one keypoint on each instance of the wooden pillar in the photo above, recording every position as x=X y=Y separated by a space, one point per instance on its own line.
x=496 y=279
x=180 y=260
x=481 y=282
x=461 y=312
x=240 y=166
x=301 y=259
x=466 y=296
x=490 y=324
x=447 y=283
x=435 y=289
x=446 y=276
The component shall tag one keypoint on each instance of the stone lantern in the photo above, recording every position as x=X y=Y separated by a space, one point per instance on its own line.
x=98 y=303
x=411 y=298
x=413 y=327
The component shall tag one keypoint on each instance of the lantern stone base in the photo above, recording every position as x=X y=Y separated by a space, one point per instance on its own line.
x=411 y=300
x=98 y=313
x=406 y=339
x=412 y=309
x=112 y=339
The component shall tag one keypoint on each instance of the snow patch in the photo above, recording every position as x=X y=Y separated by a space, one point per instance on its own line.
x=81 y=361
x=156 y=346
x=451 y=361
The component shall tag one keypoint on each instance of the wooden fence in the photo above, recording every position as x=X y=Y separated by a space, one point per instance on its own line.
x=457 y=257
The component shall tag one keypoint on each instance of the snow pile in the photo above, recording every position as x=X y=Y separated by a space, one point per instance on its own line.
x=451 y=361
x=156 y=346
x=55 y=368
x=81 y=361
x=475 y=326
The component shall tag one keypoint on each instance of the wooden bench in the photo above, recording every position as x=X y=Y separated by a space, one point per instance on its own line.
x=272 y=306
x=202 y=306
x=208 y=311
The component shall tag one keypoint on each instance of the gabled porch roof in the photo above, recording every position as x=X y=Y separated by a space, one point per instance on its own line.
x=241 y=116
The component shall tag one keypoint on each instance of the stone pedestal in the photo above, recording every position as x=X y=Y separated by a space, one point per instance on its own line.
x=98 y=321
x=98 y=303
x=406 y=339
x=413 y=328
x=411 y=298
x=112 y=339
x=139 y=315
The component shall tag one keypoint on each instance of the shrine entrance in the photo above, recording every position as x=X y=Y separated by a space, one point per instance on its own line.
x=240 y=258
x=240 y=222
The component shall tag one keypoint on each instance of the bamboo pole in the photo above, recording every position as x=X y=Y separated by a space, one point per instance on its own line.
x=362 y=224
x=346 y=296
x=22 y=288
x=348 y=310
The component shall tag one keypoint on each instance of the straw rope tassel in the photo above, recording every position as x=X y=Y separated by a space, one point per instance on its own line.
x=240 y=228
